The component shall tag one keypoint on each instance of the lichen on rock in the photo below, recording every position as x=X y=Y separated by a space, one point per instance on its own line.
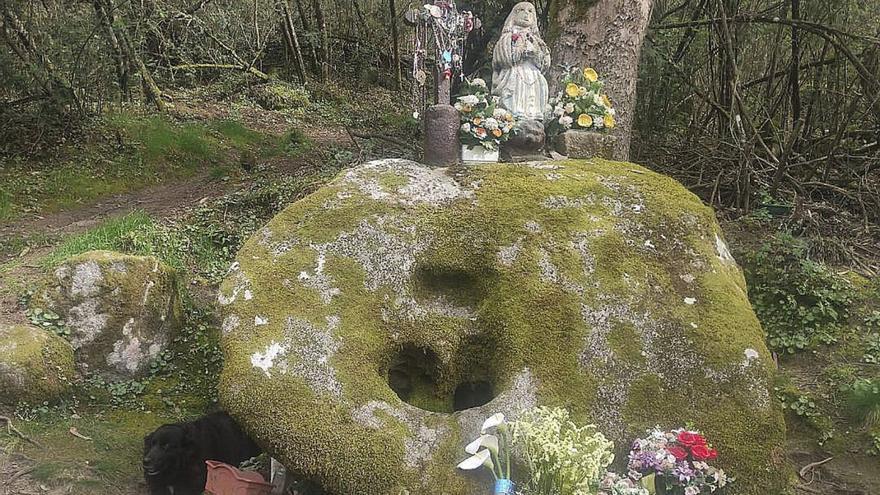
x=385 y=304
x=121 y=310
x=35 y=365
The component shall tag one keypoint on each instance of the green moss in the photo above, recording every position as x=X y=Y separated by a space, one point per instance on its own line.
x=35 y=365
x=579 y=271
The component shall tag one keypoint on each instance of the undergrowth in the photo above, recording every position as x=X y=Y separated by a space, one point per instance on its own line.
x=801 y=303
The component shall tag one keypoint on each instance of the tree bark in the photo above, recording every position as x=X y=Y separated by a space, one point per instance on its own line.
x=292 y=40
x=607 y=36
x=325 y=40
x=395 y=44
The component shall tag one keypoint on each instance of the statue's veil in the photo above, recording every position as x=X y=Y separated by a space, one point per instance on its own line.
x=508 y=24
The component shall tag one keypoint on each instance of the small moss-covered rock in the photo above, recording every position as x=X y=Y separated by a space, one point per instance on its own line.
x=368 y=324
x=121 y=311
x=35 y=365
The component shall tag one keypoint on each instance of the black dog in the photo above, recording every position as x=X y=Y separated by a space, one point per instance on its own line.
x=175 y=454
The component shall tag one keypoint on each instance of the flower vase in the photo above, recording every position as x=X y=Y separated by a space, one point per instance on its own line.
x=477 y=153
x=504 y=487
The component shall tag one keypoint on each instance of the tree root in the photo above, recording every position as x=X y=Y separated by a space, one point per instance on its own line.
x=11 y=429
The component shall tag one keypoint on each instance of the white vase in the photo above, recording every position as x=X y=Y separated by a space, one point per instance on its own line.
x=478 y=154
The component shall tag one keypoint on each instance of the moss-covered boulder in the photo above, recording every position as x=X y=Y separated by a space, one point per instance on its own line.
x=35 y=365
x=594 y=285
x=121 y=311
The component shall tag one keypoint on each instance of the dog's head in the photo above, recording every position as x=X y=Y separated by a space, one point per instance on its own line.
x=166 y=449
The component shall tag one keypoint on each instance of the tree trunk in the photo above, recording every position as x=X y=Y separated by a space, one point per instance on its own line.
x=325 y=40
x=123 y=75
x=395 y=45
x=607 y=36
x=292 y=39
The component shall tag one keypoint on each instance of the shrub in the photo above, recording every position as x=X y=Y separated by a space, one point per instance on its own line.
x=800 y=302
x=280 y=96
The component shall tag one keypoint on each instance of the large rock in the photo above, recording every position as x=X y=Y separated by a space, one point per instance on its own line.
x=598 y=286
x=35 y=365
x=121 y=310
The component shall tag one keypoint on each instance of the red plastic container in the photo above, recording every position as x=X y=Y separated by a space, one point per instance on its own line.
x=224 y=479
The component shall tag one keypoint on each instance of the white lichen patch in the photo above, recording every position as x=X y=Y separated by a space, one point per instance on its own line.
x=230 y=323
x=407 y=308
x=131 y=353
x=420 y=185
x=559 y=202
x=240 y=283
x=306 y=352
x=723 y=251
x=318 y=280
x=507 y=255
x=87 y=280
x=86 y=322
x=265 y=360
x=385 y=248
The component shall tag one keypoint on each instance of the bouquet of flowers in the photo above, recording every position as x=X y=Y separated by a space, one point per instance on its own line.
x=563 y=458
x=483 y=122
x=491 y=450
x=614 y=484
x=675 y=463
x=580 y=104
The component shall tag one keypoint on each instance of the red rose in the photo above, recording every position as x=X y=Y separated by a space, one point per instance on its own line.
x=679 y=453
x=690 y=439
x=703 y=453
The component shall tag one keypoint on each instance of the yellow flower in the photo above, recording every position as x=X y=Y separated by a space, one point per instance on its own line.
x=497 y=133
x=477 y=121
x=606 y=101
x=609 y=121
x=590 y=75
x=572 y=90
x=585 y=121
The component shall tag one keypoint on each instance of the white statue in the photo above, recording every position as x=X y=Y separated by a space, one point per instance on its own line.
x=517 y=64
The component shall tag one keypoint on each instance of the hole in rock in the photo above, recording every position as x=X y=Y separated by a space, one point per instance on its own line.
x=472 y=394
x=416 y=376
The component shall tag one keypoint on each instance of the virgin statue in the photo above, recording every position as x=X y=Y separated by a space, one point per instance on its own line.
x=519 y=58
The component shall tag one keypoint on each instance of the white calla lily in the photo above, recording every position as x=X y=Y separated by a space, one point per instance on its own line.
x=481 y=458
x=492 y=421
x=485 y=441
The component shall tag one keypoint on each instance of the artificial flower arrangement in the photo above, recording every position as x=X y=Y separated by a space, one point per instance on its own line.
x=492 y=451
x=676 y=463
x=562 y=457
x=566 y=459
x=581 y=104
x=483 y=122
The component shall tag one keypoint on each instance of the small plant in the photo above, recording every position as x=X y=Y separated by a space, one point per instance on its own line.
x=801 y=303
x=48 y=320
x=483 y=122
x=563 y=458
x=804 y=407
x=864 y=400
x=581 y=104
x=872 y=349
x=676 y=463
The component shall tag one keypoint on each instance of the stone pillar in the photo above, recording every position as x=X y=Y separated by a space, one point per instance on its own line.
x=441 y=136
x=586 y=144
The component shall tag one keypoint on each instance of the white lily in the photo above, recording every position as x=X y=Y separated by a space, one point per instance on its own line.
x=485 y=441
x=481 y=458
x=492 y=421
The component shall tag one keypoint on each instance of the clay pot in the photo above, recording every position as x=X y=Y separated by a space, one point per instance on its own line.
x=224 y=479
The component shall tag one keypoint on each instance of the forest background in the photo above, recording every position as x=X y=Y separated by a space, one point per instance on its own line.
x=177 y=127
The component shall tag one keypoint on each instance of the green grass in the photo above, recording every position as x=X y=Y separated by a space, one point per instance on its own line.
x=156 y=149
x=110 y=235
